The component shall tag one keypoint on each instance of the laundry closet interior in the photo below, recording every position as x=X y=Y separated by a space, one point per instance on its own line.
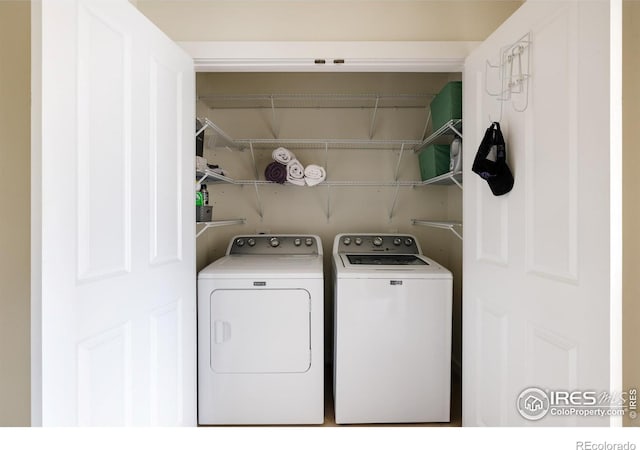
x=366 y=130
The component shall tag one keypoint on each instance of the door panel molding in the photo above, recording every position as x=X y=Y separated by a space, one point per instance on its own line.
x=551 y=175
x=492 y=332
x=549 y=351
x=538 y=335
x=165 y=150
x=105 y=394
x=165 y=336
x=492 y=226
x=104 y=126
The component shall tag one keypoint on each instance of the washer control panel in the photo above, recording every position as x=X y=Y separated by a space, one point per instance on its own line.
x=374 y=243
x=275 y=244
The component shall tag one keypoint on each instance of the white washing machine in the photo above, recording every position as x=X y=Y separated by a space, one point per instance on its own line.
x=260 y=333
x=392 y=342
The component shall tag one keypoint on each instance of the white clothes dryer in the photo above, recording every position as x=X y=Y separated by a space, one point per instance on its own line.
x=260 y=333
x=392 y=342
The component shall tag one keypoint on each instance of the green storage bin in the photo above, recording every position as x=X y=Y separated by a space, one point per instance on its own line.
x=447 y=105
x=434 y=161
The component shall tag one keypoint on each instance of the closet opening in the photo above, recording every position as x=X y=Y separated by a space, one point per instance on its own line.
x=367 y=130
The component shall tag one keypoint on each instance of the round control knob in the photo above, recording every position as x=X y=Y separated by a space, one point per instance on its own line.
x=358 y=241
x=397 y=241
x=308 y=242
x=274 y=242
x=297 y=242
x=240 y=242
x=346 y=241
x=251 y=242
x=408 y=242
x=377 y=241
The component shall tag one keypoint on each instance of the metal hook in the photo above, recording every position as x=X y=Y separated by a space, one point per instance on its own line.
x=487 y=66
x=513 y=74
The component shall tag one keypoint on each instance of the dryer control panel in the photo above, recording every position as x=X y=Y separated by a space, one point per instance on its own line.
x=275 y=244
x=377 y=243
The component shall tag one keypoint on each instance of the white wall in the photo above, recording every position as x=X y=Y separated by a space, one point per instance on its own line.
x=328 y=20
x=14 y=204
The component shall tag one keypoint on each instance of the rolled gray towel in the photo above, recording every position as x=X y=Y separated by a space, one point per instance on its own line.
x=282 y=155
x=276 y=172
x=295 y=172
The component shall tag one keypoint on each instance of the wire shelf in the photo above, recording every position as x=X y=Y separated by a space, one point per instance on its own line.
x=217 y=138
x=327 y=144
x=317 y=100
x=218 y=223
x=212 y=177
x=446 y=178
x=443 y=224
x=453 y=126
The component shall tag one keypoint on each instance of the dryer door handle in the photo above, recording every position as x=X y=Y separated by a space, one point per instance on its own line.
x=221 y=331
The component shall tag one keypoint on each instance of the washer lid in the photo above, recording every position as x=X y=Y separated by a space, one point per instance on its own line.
x=385 y=260
x=264 y=266
x=349 y=265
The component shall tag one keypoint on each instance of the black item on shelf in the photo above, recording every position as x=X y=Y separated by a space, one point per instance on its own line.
x=205 y=194
x=276 y=172
x=199 y=139
x=491 y=161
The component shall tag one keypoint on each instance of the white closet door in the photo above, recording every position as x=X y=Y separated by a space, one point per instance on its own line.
x=113 y=244
x=539 y=271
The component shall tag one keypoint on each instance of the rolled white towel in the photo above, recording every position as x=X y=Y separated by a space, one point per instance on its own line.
x=282 y=155
x=295 y=172
x=314 y=174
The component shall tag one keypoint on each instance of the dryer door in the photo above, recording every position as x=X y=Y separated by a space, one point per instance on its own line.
x=260 y=330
